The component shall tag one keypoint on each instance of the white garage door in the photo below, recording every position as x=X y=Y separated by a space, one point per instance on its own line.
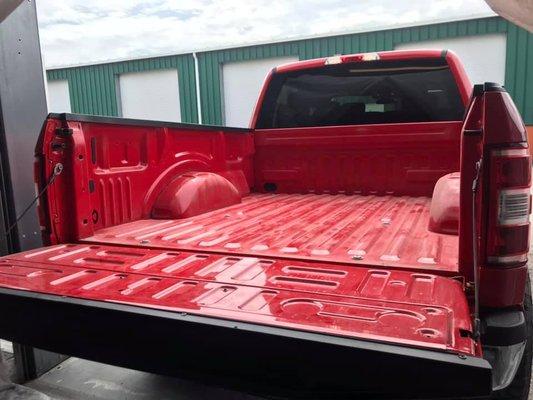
x=482 y=56
x=58 y=96
x=150 y=95
x=242 y=82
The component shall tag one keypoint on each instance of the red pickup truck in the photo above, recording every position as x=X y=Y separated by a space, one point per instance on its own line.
x=368 y=235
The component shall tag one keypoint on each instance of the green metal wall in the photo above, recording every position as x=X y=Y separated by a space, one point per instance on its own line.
x=92 y=88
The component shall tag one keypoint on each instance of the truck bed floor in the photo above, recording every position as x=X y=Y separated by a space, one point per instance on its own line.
x=402 y=307
x=368 y=230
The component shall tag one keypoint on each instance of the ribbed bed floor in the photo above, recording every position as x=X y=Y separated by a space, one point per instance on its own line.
x=369 y=230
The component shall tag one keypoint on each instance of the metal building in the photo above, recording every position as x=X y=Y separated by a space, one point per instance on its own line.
x=165 y=87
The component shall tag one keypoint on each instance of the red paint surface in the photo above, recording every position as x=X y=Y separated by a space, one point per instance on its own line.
x=368 y=230
x=133 y=165
x=193 y=194
x=407 y=308
x=394 y=159
x=343 y=247
x=444 y=212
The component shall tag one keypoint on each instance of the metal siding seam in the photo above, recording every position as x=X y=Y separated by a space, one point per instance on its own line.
x=91 y=91
x=315 y=49
x=205 y=85
x=521 y=77
x=461 y=28
x=87 y=91
x=503 y=25
x=102 y=109
x=106 y=92
x=95 y=92
x=268 y=52
x=186 y=83
x=70 y=89
x=472 y=27
x=339 y=45
x=203 y=95
x=442 y=31
x=101 y=89
x=362 y=43
x=183 y=77
x=331 y=47
x=380 y=41
x=389 y=43
x=208 y=84
x=184 y=80
x=481 y=27
x=76 y=100
x=295 y=49
x=109 y=89
x=406 y=35
x=215 y=65
x=528 y=106
x=79 y=92
x=113 y=79
x=195 y=112
x=452 y=30
x=372 y=42
x=347 y=44
x=84 y=91
x=308 y=49
x=217 y=71
x=510 y=62
x=213 y=87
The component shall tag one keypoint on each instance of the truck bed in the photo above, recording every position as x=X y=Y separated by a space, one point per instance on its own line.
x=364 y=230
x=263 y=324
x=300 y=289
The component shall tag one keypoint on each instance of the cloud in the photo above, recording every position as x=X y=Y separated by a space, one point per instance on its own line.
x=81 y=31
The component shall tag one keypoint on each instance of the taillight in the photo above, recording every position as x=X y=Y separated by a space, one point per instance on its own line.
x=509 y=207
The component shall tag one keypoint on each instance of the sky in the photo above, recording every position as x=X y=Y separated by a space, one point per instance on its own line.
x=85 y=31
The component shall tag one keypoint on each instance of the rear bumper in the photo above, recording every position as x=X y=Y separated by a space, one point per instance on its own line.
x=255 y=358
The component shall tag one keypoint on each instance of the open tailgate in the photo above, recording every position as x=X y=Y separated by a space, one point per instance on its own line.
x=261 y=324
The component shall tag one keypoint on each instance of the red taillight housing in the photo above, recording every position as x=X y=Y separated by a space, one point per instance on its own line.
x=509 y=206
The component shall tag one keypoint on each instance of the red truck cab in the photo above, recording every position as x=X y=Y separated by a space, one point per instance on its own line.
x=367 y=235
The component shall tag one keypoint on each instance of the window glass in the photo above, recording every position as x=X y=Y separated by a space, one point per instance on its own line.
x=377 y=92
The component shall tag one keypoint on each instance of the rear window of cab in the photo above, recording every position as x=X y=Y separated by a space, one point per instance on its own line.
x=372 y=92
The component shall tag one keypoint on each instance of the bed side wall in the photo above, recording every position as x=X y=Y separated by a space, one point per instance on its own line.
x=113 y=173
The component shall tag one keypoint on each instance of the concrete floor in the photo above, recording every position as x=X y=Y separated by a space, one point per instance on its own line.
x=83 y=380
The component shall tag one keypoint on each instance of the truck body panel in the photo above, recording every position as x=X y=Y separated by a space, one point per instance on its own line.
x=261 y=359
x=356 y=230
x=411 y=308
x=374 y=213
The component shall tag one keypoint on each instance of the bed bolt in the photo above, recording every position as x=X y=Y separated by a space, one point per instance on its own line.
x=144 y=241
x=462 y=356
x=357 y=257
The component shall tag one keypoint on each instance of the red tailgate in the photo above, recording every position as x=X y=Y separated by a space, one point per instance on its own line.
x=416 y=309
